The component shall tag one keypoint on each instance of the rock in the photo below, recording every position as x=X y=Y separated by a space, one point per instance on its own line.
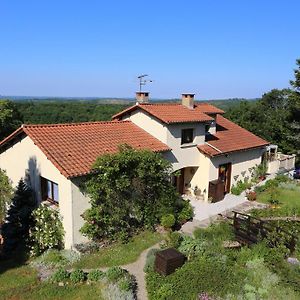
x=293 y=261
x=61 y=284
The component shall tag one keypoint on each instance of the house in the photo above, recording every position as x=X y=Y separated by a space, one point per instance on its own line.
x=201 y=144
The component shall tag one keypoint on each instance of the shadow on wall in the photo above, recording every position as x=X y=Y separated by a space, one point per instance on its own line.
x=33 y=178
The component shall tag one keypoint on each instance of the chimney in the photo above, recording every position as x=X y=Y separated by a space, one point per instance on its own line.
x=142 y=97
x=188 y=100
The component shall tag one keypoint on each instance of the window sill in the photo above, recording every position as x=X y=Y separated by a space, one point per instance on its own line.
x=50 y=203
x=188 y=145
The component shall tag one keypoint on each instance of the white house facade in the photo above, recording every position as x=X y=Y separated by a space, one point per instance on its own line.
x=204 y=148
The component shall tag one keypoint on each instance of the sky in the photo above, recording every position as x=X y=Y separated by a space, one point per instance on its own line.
x=216 y=49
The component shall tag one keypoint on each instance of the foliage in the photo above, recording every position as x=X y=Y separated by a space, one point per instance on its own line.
x=240 y=186
x=10 y=118
x=6 y=193
x=47 y=230
x=167 y=221
x=260 y=171
x=150 y=259
x=77 y=276
x=54 y=258
x=119 y=253
x=139 y=180
x=95 y=275
x=172 y=240
x=113 y=274
x=191 y=247
x=18 y=220
x=51 y=112
x=60 y=275
x=275 y=117
x=186 y=213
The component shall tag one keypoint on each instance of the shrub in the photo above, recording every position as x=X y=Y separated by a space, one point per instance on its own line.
x=47 y=231
x=77 y=276
x=167 y=221
x=191 y=247
x=60 y=275
x=149 y=265
x=95 y=275
x=139 y=179
x=127 y=283
x=186 y=213
x=6 y=193
x=113 y=274
x=172 y=240
x=240 y=187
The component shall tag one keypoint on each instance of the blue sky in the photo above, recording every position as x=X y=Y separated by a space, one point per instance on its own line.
x=217 y=49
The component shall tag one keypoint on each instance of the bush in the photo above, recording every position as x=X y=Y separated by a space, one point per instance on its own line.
x=95 y=275
x=172 y=240
x=150 y=259
x=140 y=181
x=240 y=187
x=6 y=193
x=47 y=231
x=77 y=276
x=127 y=283
x=60 y=275
x=113 y=274
x=191 y=247
x=186 y=213
x=167 y=221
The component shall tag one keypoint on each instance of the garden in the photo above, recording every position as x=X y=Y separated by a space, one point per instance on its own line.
x=265 y=270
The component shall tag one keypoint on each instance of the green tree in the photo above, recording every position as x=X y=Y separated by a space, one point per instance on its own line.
x=128 y=190
x=10 y=118
x=6 y=192
x=295 y=109
x=16 y=228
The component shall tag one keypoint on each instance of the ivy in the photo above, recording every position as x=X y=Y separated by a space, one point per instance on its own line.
x=128 y=190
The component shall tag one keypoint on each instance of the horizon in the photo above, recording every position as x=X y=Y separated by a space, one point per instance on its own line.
x=216 y=50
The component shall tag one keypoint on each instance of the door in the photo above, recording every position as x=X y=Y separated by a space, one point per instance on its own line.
x=179 y=182
x=225 y=176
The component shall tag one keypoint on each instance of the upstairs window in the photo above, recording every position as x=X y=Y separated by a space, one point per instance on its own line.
x=187 y=136
x=49 y=190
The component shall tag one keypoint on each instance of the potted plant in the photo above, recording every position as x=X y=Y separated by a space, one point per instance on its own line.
x=251 y=196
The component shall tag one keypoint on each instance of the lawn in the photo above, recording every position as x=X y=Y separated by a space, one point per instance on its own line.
x=288 y=196
x=21 y=282
x=120 y=254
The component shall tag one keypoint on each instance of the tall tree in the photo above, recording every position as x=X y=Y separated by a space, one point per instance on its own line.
x=295 y=109
x=10 y=118
x=6 y=192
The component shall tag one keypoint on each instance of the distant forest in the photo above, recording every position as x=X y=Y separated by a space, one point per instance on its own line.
x=62 y=111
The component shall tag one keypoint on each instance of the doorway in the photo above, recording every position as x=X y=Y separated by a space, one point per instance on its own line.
x=225 y=176
x=179 y=182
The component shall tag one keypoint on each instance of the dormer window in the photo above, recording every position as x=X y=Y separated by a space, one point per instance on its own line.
x=187 y=136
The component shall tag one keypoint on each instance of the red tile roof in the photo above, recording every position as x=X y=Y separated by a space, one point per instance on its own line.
x=170 y=113
x=73 y=148
x=208 y=108
x=230 y=139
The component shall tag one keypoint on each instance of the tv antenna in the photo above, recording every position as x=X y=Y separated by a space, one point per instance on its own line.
x=143 y=81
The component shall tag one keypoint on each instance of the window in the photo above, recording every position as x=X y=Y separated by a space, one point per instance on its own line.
x=49 y=190
x=207 y=127
x=187 y=136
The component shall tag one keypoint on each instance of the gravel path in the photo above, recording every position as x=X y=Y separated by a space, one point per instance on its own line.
x=137 y=269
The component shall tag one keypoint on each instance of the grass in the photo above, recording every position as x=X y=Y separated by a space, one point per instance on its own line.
x=21 y=282
x=120 y=254
x=288 y=198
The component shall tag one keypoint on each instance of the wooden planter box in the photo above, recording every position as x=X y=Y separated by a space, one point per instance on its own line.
x=167 y=261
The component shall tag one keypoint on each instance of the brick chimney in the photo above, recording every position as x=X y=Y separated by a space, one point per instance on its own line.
x=187 y=100
x=142 y=97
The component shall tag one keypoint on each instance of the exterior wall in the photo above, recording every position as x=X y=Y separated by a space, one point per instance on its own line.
x=25 y=160
x=80 y=205
x=242 y=162
x=181 y=156
x=149 y=124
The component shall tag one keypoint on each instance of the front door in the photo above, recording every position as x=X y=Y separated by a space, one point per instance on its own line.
x=225 y=176
x=179 y=182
